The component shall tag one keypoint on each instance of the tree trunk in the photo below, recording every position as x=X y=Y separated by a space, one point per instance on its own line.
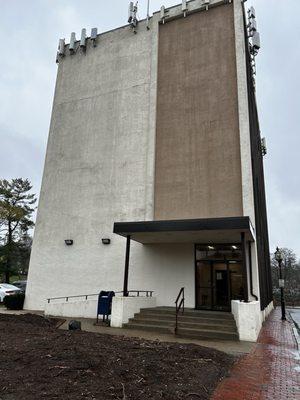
x=9 y=249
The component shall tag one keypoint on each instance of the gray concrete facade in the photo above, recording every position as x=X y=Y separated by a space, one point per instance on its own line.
x=100 y=168
x=100 y=161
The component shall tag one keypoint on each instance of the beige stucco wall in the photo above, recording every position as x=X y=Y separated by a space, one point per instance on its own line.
x=198 y=165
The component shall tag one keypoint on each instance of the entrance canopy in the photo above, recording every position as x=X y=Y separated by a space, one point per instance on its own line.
x=208 y=230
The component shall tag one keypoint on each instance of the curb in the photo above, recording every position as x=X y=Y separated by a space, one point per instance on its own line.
x=296 y=329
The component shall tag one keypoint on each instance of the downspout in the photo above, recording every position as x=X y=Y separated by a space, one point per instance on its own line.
x=251 y=275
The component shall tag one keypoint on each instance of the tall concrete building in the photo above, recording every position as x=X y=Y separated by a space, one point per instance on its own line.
x=155 y=161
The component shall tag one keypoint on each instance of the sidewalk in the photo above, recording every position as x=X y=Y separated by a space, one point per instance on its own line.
x=235 y=348
x=271 y=371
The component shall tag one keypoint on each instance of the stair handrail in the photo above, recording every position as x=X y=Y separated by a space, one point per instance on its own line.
x=179 y=306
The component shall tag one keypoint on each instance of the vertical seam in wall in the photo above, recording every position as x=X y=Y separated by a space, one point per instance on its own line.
x=243 y=111
x=244 y=127
x=238 y=113
x=151 y=137
x=155 y=133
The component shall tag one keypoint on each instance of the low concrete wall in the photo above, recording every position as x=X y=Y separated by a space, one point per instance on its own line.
x=248 y=319
x=124 y=308
x=265 y=313
x=75 y=308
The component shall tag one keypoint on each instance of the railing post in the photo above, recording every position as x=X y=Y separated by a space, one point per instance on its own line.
x=177 y=308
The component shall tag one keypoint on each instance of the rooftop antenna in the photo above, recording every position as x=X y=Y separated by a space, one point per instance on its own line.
x=264 y=149
x=206 y=4
x=94 y=34
x=132 y=15
x=254 y=40
x=83 y=39
x=184 y=7
x=61 y=50
x=148 y=14
x=162 y=14
x=72 y=43
x=61 y=47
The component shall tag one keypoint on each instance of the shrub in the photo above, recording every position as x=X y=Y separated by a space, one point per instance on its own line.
x=15 y=301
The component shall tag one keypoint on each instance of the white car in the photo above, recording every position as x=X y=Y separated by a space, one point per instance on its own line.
x=7 y=290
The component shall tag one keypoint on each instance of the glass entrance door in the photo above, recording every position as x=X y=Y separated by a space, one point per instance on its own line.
x=218 y=276
x=221 y=286
x=212 y=281
x=204 y=288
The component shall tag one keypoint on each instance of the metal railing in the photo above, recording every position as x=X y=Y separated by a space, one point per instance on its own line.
x=66 y=298
x=180 y=299
x=148 y=293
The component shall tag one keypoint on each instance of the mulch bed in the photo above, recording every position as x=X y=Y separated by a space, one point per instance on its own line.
x=39 y=361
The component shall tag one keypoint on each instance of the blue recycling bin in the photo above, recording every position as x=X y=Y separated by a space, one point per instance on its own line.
x=104 y=304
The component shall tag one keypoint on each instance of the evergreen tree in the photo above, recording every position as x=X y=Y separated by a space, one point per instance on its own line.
x=16 y=209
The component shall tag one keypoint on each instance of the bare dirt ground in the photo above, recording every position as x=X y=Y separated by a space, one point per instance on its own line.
x=38 y=361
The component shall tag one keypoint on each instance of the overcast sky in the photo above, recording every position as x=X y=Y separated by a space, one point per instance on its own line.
x=29 y=31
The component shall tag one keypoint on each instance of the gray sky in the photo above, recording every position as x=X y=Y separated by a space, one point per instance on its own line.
x=31 y=29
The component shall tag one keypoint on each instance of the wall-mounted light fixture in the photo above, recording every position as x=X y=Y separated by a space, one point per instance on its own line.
x=69 y=242
x=106 y=241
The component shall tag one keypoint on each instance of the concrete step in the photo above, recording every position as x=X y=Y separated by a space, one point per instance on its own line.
x=148 y=327
x=189 y=312
x=183 y=324
x=147 y=321
x=194 y=324
x=207 y=334
x=200 y=334
x=184 y=318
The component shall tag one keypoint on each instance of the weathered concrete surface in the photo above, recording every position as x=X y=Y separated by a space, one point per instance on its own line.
x=244 y=132
x=99 y=165
x=235 y=348
x=100 y=168
x=198 y=163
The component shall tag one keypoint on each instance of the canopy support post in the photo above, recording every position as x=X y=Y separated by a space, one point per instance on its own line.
x=126 y=271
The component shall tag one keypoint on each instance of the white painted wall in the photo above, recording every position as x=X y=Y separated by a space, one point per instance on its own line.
x=74 y=308
x=267 y=311
x=248 y=319
x=124 y=308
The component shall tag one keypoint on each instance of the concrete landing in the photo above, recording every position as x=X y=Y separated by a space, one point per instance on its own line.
x=230 y=347
x=88 y=325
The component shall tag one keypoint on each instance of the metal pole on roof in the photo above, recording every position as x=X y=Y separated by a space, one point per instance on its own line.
x=148 y=14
